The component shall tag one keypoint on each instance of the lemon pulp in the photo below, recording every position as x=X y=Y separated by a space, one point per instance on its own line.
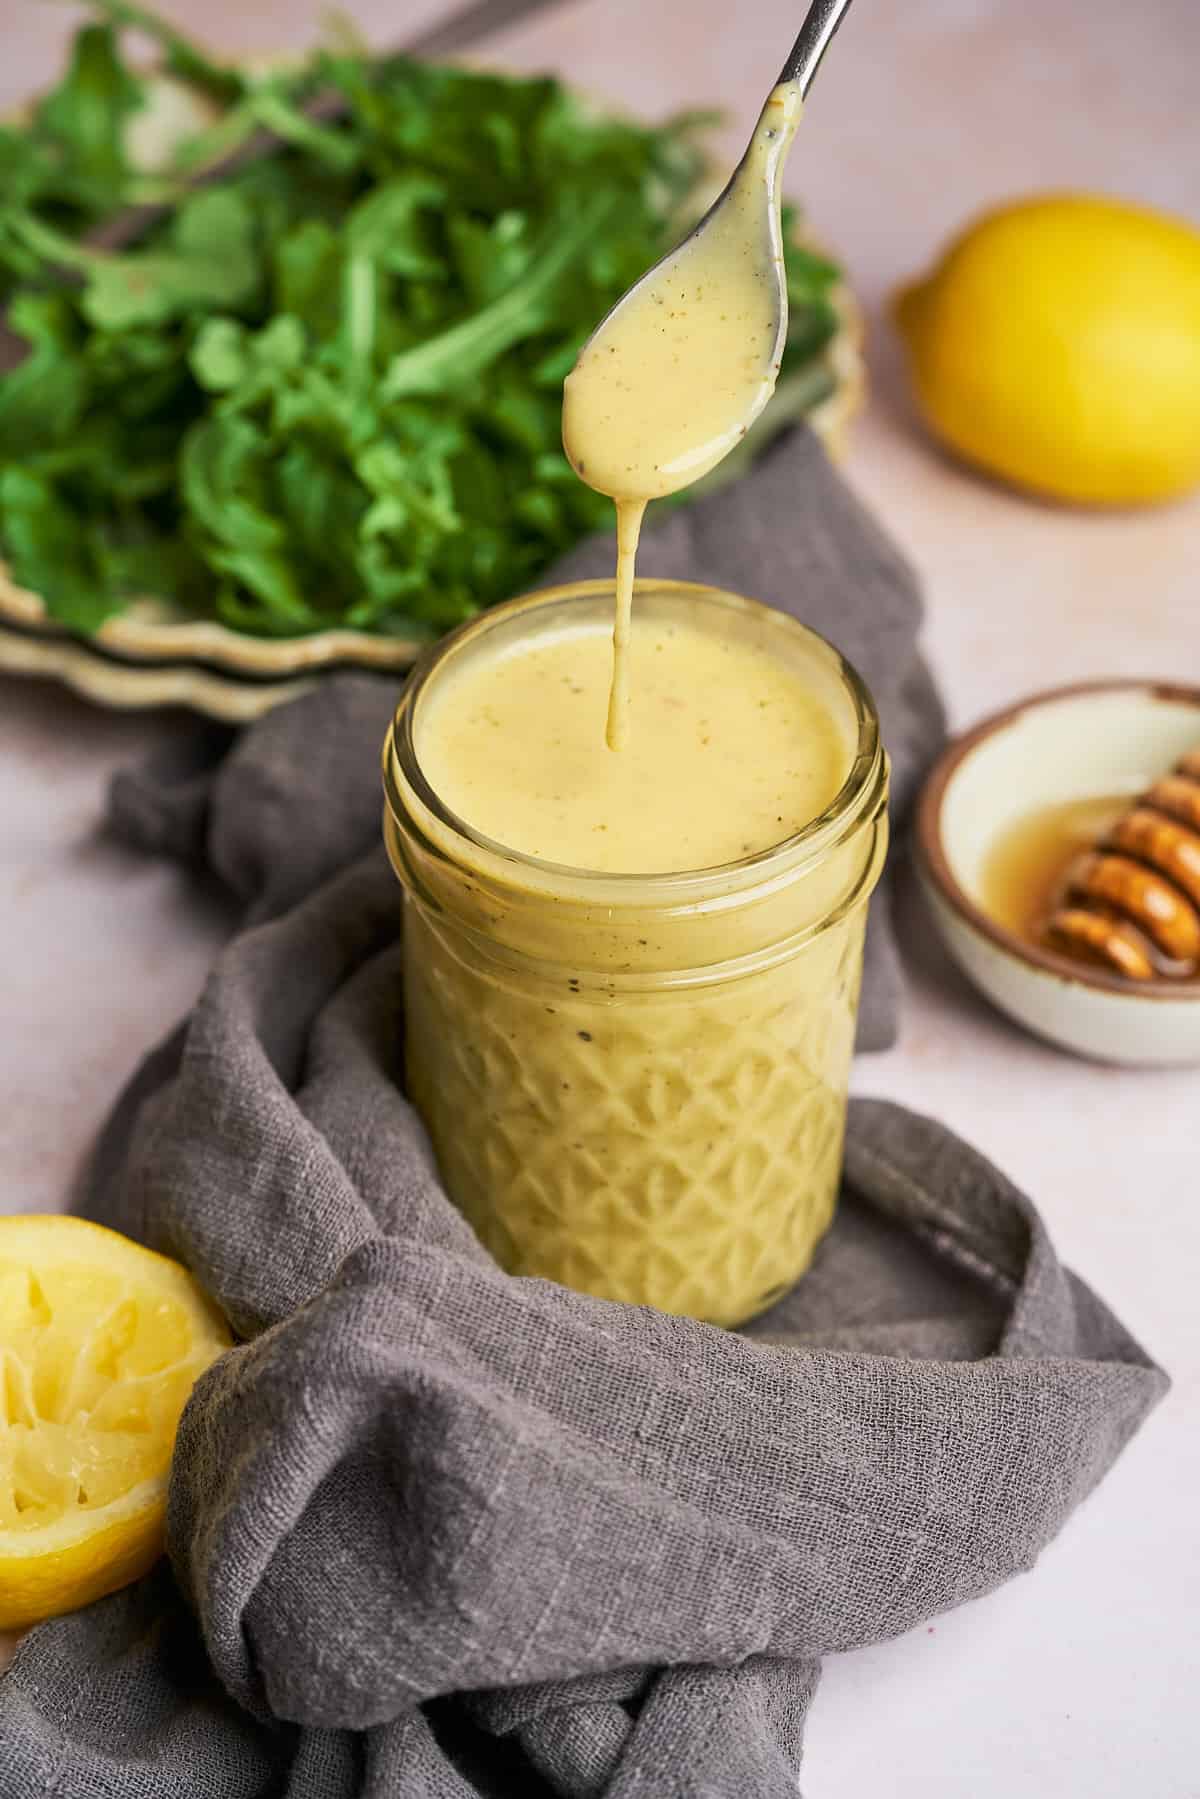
x=101 y=1342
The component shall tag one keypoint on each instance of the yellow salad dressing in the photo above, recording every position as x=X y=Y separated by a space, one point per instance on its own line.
x=731 y=750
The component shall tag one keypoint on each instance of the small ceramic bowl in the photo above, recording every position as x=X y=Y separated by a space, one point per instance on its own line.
x=1102 y=739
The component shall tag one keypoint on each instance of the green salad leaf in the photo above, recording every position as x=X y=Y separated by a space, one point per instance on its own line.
x=326 y=387
x=84 y=119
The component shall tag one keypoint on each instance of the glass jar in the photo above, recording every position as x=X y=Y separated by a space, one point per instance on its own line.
x=636 y=1084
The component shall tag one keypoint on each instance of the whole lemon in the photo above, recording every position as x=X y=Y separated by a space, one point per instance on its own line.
x=1057 y=344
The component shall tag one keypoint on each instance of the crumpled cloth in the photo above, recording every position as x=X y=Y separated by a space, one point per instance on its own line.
x=437 y=1532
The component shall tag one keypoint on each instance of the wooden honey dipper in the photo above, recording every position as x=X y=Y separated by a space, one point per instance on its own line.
x=1132 y=905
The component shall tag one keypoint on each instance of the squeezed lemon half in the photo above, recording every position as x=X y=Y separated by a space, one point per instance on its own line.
x=101 y=1341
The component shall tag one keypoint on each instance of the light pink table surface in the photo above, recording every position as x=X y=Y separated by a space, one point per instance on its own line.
x=1081 y=1680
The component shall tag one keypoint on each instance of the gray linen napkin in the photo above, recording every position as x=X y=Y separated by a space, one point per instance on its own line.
x=438 y=1532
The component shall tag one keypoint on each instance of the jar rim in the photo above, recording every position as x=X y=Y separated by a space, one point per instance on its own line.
x=405 y=782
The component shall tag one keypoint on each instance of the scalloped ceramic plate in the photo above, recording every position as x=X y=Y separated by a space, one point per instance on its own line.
x=157 y=654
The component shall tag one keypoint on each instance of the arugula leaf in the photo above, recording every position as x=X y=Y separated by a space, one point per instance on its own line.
x=223 y=479
x=459 y=355
x=395 y=226
x=181 y=57
x=210 y=261
x=42 y=400
x=84 y=119
x=47 y=553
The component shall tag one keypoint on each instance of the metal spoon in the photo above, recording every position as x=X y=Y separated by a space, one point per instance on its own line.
x=816 y=34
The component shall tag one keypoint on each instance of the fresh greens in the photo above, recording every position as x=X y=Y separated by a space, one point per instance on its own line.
x=326 y=388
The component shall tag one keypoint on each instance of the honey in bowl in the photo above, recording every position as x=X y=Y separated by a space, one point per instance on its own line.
x=1115 y=884
x=1022 y=879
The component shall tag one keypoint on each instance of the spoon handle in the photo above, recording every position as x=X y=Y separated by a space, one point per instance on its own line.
x=816 y=34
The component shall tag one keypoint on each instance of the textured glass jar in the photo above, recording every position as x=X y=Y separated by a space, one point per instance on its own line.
x=636 y=1084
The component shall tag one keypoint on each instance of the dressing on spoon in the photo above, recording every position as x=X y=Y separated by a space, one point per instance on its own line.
x=675 y=375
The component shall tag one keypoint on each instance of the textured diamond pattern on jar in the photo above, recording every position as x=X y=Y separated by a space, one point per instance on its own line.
x=681 y=1151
